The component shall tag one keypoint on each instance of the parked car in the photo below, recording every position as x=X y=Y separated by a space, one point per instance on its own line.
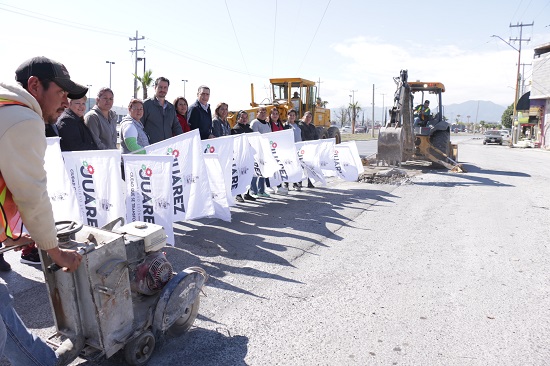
x=346 y=129
x=505 y=135
x=360 y=129
x=493 y=137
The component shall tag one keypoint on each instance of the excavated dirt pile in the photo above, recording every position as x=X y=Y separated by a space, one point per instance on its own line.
x=393 y=176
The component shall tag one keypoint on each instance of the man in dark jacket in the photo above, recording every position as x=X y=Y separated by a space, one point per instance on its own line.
x=199 y=114
x=159 y=115
x=75 y=135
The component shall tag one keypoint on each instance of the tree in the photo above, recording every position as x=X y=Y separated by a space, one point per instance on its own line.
x=342 y=115
x=506 y=118
x=354 y=109
x=146 y=81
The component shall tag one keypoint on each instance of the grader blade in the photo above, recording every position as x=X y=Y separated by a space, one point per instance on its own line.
x=390 y=146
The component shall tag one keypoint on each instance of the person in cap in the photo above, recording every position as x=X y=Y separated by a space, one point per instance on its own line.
x=40 y=98
x=422 y=114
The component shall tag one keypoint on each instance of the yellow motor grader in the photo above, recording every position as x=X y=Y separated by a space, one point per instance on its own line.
x=407 y=137
x=293 y=93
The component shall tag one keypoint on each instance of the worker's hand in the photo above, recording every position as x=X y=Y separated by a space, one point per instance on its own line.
x=67 y=259
x=20 y=243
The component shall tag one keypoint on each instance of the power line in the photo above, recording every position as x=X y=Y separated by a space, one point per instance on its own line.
x=237 y=38
x=60 y=21
x=316 y=30
x=274 y=39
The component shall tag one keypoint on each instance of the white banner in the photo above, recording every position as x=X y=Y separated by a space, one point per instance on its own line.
x=149 y=190
x=243 y=164
x=96 y=180
x=62 y=196
x=309 y=153
x=281 y=145
x=326 y=157
x=190 y=187
x=218 y=188
x=265 y=164
x=223 y=148
x=347 y=161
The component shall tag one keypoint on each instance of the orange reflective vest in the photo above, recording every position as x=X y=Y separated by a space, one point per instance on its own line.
x=10 y=219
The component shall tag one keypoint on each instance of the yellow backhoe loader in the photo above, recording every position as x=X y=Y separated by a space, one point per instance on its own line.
x=410 y=134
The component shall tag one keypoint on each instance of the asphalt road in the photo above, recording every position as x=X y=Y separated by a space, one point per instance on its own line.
x=449 y=270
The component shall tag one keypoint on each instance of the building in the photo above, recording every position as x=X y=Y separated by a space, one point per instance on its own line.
x=539 y=104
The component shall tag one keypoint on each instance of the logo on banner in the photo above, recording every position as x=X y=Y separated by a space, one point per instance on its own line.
x=177 y=187
x=174 y=152
x=87 y=188
x=58 y=196
x=209 y=149
x=282 y=169
x=145 y=174
x=234 y=177
x=190 y=179
x=337 y=161
x=148 y=171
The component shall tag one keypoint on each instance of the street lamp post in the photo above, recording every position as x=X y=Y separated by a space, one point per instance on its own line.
x=184 y=81
x=111 y=63
x=142 y=59
x=89 y=92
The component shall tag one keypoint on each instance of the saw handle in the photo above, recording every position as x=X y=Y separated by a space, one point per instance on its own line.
x=82 y=251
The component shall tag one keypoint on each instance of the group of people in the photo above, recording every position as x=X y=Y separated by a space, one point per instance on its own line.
x=304 y=130
x=46 y=102
x=156 y=119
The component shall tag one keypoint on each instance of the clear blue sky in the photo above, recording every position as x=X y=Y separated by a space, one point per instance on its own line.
x=228 y=44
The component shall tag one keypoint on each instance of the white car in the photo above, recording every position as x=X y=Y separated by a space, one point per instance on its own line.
x=505 y=135
x=346 y=129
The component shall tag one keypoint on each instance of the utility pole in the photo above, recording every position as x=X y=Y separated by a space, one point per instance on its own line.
x=383 y=120
x=319 y=88
x=135 y=51
x=516 y=121
x=523 y=78
x=372 y=110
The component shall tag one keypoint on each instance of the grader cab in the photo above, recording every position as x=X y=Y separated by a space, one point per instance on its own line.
x=298 y=94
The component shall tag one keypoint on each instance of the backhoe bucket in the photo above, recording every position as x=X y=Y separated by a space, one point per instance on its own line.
x=390 y=145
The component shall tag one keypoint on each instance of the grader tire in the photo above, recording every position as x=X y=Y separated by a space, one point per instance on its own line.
x=334 y=132
x=322 y=132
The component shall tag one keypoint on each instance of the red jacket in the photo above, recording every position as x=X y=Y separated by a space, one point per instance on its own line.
x=183 y=123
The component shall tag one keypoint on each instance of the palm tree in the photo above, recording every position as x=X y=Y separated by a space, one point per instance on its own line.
x=146 y=81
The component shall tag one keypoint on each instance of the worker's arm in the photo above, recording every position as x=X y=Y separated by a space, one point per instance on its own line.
x=133 y=146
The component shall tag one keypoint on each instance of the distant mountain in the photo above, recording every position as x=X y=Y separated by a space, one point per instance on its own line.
x=477 y=110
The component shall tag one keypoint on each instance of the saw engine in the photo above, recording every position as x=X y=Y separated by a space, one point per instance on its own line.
x=152 y=274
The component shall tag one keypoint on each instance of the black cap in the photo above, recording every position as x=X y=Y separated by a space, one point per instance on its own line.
x=46 y=69
x=426 y=101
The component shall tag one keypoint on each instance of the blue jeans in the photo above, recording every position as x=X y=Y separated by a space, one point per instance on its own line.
x=19 y=345
x=257 y=185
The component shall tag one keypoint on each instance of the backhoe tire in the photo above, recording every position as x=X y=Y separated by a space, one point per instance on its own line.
x=322 y=132
x=441 y=141
x=334 y=132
